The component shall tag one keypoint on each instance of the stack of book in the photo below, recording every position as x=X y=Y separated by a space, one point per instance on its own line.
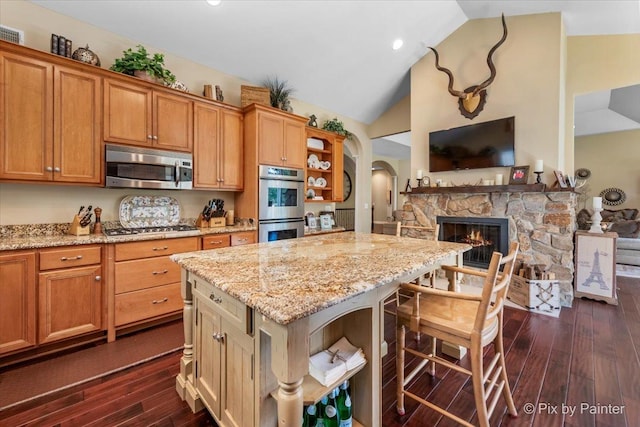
x=329 y=365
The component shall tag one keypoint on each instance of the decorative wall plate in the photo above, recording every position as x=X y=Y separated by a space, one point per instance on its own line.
x=613 y=196
x=149 y=211
x=311 y=181
x=583 y=173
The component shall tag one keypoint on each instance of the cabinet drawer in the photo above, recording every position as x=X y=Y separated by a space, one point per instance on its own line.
x=153 y=248
x=69 y=257
x=230 y=308
x=216 y=241
x=147 y=303
x=145 y=273
x=244 y=238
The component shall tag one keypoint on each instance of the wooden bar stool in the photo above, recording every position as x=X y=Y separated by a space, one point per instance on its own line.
x=471 y=321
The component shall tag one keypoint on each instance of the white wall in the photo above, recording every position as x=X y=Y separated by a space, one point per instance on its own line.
x=528 y=85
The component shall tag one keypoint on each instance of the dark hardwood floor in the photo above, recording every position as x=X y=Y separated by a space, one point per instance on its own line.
x=587 y=359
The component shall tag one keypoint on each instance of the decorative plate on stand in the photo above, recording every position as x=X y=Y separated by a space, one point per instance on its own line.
x=149 y=211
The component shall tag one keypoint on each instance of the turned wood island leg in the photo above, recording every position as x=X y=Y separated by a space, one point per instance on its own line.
x=185 y=380
x=289 y=364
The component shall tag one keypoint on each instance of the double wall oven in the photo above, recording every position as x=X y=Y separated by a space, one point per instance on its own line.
x=280 y=204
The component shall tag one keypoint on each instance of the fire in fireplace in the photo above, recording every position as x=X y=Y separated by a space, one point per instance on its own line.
x=485 y=235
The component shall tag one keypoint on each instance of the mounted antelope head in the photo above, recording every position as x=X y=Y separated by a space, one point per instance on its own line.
x=472 y=100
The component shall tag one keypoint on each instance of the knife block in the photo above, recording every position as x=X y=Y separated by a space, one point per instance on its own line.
x=201 y=222
x=217 y=222
x=78 y=230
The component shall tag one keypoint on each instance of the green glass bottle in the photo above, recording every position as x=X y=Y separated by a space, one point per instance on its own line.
x=344 y=406
x=310 y=419
x=331 y=412
x=320 y=411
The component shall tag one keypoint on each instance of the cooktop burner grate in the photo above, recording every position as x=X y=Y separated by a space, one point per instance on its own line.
x=143 y=230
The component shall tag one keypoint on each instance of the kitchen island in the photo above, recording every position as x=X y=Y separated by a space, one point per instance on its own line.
x=254 y=314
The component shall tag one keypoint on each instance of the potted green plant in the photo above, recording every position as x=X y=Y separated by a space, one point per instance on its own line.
x=279 y=93
x=335 y=125
x=139 y=62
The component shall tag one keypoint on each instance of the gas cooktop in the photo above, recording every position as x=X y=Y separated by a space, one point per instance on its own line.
x=146 y=230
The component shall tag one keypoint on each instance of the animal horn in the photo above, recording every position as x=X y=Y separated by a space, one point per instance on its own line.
x=492 y=68
x=448 y=72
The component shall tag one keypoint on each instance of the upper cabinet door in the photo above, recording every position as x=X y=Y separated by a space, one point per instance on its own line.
x=26 y=118
x=295 y=149
x=270 y=139
x=231 y=151
x=127 y=113
x=77 y=133
x=206 y=131
x=173 y=122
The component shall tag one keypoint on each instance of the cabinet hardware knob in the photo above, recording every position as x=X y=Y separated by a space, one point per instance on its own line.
x=159 y=301
x=56 y=169
x=160 y=272
x=149 y=136
x=73 y=258
x=215 y=299
x=155 y=137
x=218 y=337
x=48 y=169
x=98 y=278
x=163 y=248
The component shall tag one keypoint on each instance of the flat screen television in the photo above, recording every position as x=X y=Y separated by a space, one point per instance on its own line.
x=482 y=145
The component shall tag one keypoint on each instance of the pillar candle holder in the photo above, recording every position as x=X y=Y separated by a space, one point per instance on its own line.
x=538 y=180
x=595 y=221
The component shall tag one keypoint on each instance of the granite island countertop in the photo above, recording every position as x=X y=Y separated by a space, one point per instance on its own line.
x=290 y=279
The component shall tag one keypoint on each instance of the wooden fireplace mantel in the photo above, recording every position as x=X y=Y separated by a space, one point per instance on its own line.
x=522 y=188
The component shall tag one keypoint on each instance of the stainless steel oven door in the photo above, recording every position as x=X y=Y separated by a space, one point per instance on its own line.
x=269 y=231
x=280 y=199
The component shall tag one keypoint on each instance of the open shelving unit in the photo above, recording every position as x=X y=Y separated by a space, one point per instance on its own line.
x=330 y=154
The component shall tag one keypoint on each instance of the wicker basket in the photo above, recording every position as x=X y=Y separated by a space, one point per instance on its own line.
x=254 y=95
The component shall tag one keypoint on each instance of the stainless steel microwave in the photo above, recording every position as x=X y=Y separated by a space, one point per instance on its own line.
x=135 y=167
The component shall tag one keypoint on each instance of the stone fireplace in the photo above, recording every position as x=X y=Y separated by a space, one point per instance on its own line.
x=485 y=235
x=543 y=222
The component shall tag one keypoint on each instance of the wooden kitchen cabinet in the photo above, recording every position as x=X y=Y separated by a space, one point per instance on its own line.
x=146 y=283
x=215 y=241
x=224 y=358
x=278 y=136
x=332 y=153
x=51 y=128
x=17 y=301
x=138 y=114
x=70 y=292
x=218 y=148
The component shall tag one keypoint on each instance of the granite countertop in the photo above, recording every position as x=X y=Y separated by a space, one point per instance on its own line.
x=315 y=231
x=46 y=235
x=287 y=280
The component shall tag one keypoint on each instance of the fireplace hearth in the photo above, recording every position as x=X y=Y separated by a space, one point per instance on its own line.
x=485 y=235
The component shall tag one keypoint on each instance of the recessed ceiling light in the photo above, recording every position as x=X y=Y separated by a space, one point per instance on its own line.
x=397 y=44
x=214 y=2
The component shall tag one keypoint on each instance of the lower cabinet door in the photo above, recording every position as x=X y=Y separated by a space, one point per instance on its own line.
x=208 y=343
x=69 y=303
x=17 y=301
x=147 y=303
x=238 y=377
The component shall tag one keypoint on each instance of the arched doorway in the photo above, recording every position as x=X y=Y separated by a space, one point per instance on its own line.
x=384 y=190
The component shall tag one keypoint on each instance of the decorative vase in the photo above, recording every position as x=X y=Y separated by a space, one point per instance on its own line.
x=86 y=55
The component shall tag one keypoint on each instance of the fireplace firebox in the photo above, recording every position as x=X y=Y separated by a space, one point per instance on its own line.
x=485 y=235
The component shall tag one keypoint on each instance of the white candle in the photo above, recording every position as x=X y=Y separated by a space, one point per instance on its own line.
x=597 y=203
x=498 y=179
x=419 y=174
x=539 y=166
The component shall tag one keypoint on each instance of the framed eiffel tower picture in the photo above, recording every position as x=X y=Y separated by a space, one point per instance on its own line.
x=595 y=262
